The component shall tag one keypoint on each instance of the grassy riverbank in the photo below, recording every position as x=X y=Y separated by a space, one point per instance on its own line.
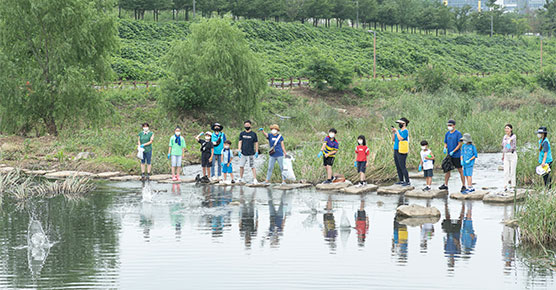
x=368 y=108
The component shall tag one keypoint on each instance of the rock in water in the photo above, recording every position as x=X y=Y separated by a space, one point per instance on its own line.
x=505 y=197
x=333 y=186
x=394 y=189
x=477 y=195
x=360 y=189
x=415 y=211
x=418 y=193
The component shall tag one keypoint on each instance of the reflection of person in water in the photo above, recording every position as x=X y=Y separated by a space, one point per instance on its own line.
x=468 y=237
x=452 y=246
x=361 y=223
x=146 y=220
x=217 y=220
x=249 y=218
x=400 y=238
x=508 y=245
x=330 y=232
x=427 y=232
x=277 y=219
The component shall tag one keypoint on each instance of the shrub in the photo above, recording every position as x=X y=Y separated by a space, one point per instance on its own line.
x=547 y=79
x=323 y=70
x=430 y=78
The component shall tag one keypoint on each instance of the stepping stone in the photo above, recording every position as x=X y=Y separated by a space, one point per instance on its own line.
x=37 y=172
x=416 y=175
x=394 y=189
x=234 y=203
x=417 y=211
x=6 y=169
x=433 y=193
x=258 y=185
x=505 y=197
x=66 y=174
x=510 y=223
x=418 y=221
x=292 y=186
x=183 y=180
x=125 y=178
x=333 y=186
x=489 y=188
x=360 y=189
x=477 y=195
x=105 y=175
x=158 y=177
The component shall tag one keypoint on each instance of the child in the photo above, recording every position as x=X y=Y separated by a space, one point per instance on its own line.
x=362 y=152
x=176 y=150
x=468 y=156
x=207 y=152
x=329 y=149
x=227 y=156
x=426 y=164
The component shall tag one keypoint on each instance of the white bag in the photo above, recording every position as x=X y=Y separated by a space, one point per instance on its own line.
x=140 y=152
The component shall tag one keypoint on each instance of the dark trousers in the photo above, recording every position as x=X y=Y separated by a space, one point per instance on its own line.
x=400 y=159
x=548 y=177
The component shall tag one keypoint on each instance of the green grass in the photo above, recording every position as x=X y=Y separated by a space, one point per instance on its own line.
x=537 y=221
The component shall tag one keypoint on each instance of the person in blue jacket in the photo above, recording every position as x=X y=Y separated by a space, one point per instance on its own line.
x=217 y=138
x=467 y=160
x=545 y=154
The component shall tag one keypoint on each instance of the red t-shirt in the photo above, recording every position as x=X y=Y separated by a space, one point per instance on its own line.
x=362 y=153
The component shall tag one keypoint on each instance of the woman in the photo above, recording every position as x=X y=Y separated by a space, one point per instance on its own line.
x=277 y=152
x=145 y=141
x=545 y=154
x=509 y=156
x=400 y=158
x=218 y=138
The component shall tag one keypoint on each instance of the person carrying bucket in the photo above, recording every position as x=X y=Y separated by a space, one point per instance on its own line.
x=545 y=156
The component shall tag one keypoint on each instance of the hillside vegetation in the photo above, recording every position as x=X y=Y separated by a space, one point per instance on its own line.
x=284 y=47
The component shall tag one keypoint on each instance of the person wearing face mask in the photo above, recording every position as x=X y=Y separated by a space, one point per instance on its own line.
x=176 y=151
x=452 y=147
x=277 y=152
x=207 y=152
x=248 y=150
x=399 y=136
x=227 y=156
x=509 y=156
x=328 y=150
x=545 y=155
x=426 y=164
x=362 y=154
x=145 y=141
x=217 y=138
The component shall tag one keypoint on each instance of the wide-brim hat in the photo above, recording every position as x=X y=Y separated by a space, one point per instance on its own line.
x=466 y=138
x=542 y=130
x=275 y=126
x=213 y=127
x=403 y=120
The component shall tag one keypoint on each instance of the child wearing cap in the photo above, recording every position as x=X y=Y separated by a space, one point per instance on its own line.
x=227 y=156
x=426 y=164
x=545 y=155
x=467 y=159
x=207 y=152
x=328 y=150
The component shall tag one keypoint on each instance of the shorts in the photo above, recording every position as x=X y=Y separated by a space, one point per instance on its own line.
x=243 y=161
x=457 y=162
x=205 y=160
x=428 y=172
x=176 y=160
x=147 y=158
x=227 y=168
x=328 y=161
x=361 y=166
x=468 y=171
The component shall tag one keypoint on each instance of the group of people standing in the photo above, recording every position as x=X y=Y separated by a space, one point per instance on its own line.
x=461 y=155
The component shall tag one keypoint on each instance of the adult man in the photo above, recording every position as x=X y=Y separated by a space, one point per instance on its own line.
x=248 y=150
x=452 y=146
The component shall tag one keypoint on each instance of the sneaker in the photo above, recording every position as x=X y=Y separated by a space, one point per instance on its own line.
x=240 y=180
x=363 y=183
x=284 y=183
x=406 y=184
x=464 y=190
x=399 y=183
x=359 y=185
x=233 y=181
x=443 y=187
x=255 y=181
x=471 y=189
x=427 y=188
x=148 y=176
x=265 y=182
x=174 y=178
x=178 y=178
x=328 y=181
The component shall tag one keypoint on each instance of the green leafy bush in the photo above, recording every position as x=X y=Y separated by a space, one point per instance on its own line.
x=322 y=70
x=547 y=79
x=431 y=78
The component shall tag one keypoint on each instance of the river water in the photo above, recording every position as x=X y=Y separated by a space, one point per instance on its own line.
x=215 y=237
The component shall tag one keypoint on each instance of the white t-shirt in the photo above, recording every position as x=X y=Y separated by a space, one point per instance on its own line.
x=427 y=164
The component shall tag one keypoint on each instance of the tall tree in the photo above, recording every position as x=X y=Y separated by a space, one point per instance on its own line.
x=461 y=18
x=53 y=51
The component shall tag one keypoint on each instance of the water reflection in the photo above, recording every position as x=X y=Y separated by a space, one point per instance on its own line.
x=452 y=228
x=468 y=237
x=38 y=247
x=218 y=215
x=249 y=217
x=400 y=237
x=176 y=211
x=427 y=233
x=329 y=224
x=361 y=223
x=277 y=218
x=509 y=244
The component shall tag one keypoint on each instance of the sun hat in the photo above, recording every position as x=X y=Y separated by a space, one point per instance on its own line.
x=213 y=127
x=542 y=130
x=403 y=120
x=466 y=138
x=208 y=133
x=451 y=122
x=275 y=126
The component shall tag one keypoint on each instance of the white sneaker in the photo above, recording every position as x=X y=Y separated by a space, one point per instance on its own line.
x=255 y=181
x=228 y=182
x=240 y=180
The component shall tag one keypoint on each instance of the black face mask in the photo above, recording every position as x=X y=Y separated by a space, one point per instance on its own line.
x=400 y=125
x=247 y=128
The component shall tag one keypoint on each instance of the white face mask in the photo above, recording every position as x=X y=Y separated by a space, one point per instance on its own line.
x=226 y=147
x=423 y=147
x=539 y=135
x=450 y=128
x=207 y=138
x=145 y=129
x=178 y=133
x=332 y=135
x=274 y=131
x=360 y=142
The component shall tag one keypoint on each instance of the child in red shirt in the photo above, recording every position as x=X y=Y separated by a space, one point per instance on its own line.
x=362 y=152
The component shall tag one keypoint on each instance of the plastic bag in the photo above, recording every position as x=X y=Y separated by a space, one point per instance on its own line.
x=140 y=152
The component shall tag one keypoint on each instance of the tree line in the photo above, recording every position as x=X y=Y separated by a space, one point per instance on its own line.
x=413 y=16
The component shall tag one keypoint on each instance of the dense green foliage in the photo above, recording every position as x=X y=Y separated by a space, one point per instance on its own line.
x=285 y=48
x=52 y=51
x=322 y=71
x=215 y=69
x=537 y=221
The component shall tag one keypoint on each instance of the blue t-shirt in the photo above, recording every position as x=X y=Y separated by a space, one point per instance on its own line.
x=278 y=149
x=468 y=151
x=214 y=138
x=404 y=133
x=452 y=140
